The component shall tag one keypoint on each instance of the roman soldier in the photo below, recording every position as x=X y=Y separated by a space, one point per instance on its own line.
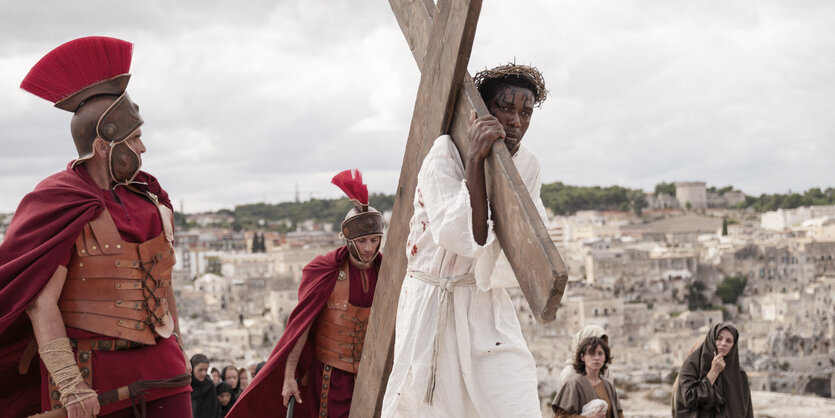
x=317 y=358
x=88 y=256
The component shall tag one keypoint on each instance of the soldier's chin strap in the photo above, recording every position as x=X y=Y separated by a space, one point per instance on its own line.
x=356 y=259
x=58 y=358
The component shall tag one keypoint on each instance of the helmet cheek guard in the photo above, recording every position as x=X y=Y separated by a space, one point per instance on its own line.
x=116 y=124
x=359 y=224
x=356 y=258
x=362 y=220
x=125 y=162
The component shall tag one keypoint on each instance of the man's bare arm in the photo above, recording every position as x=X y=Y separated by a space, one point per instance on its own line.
x=47 y=323
x=290 y=386
x=48 y=327
x=483 y=132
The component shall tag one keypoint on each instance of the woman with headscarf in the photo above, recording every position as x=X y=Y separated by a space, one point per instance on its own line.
x=243 y=378
x=588 y=393
x=587 y=331
x=204 y=402
x=229 y=375
x=711 y=383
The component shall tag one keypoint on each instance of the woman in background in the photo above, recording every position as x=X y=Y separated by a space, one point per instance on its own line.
x=711 y=383
x=589 y=393
x=203 y=397
x=243 y=378
x=588 y=331
x=229 y=375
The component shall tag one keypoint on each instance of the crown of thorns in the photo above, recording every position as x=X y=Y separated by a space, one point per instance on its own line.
x=514 y=70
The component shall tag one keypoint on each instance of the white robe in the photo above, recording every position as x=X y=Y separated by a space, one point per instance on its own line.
x=484 y=367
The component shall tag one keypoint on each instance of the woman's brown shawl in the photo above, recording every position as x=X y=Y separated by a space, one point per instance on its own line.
x=578 y=391
x=728 y=396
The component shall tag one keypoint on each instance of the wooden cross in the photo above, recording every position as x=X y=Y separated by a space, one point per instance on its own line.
x=441 y=38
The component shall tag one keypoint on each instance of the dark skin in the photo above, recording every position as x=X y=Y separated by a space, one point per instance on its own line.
x=510 y=115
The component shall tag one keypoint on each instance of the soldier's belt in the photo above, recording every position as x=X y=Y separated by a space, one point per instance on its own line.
x=108 y=345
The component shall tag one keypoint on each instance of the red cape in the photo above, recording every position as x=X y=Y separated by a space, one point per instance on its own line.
x=262 y=398
x=41 y=234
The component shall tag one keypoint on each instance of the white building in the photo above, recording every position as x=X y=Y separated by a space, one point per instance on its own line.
x=781 y=219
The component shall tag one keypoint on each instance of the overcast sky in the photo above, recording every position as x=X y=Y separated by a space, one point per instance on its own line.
x=250 y=102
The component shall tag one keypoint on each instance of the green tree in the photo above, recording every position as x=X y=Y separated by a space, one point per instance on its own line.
x=724 y=190
x=564 y=199
x=638 y=204
x=731 y=288
x=724 y=226
x=695 y=296
x=769 y=202
x=668 y=188
x=254 y=247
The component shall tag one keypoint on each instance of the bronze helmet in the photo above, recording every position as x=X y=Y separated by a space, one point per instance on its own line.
x=88 y=76
x=362 y=220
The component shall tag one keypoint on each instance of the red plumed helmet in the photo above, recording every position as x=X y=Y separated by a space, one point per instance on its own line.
x=362 y=220
x=350 y=181
x=79 y=69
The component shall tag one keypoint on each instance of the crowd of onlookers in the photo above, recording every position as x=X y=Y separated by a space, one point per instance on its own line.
x=710 y=381
x=215 y=391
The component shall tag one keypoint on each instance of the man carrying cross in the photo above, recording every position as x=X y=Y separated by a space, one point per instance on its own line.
x=459 y=349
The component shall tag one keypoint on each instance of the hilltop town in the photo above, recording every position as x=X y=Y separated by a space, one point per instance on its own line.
x=655 y=281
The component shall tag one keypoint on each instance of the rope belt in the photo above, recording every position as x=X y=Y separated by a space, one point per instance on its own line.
x=447 y=286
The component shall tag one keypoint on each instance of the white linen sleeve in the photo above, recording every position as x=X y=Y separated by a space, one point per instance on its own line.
x=442 y=192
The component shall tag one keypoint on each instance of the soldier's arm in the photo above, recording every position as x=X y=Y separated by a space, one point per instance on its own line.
x=43 y=311
x=55 y=350
x=290 y=386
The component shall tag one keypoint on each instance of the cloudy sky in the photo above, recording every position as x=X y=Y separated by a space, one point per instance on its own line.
x=256 y=101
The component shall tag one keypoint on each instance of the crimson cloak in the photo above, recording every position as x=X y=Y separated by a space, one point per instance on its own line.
x=39 y=238
x=263 y=395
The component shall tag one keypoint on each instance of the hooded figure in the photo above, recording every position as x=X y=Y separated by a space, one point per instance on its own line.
x=587 y=331
x=204 y=402
x=224 y=397
x=702 y=393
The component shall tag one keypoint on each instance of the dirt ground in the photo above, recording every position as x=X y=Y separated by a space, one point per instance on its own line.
x=766 y=405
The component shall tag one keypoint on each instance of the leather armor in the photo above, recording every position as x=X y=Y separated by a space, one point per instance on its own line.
x=118 y=289
x=340 y=328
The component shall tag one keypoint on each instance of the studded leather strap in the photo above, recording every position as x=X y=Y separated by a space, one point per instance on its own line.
x=326 y=385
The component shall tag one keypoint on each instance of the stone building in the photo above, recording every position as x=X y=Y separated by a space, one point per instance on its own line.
x=577 y=312
x=821 y=256
x=691 y=194
x=660 y=201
